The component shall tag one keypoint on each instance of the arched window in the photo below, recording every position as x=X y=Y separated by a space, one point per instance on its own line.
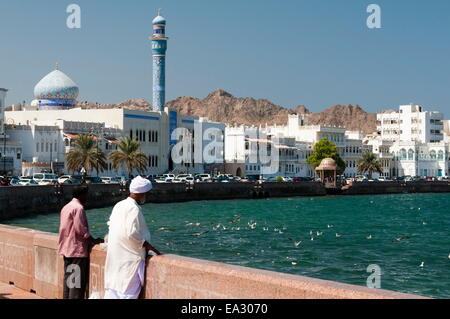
x=440 y=155
x=410 y=155
x=433 y=155
x=402 y=154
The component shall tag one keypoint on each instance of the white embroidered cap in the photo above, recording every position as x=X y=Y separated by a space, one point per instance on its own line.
x=140 y=185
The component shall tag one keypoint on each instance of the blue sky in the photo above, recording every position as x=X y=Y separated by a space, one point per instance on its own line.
x=311 y=52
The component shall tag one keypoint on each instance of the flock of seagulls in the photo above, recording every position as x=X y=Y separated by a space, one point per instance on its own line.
x=252 y=225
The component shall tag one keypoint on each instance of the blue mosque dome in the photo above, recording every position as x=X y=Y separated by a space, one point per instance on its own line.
x=56 y=91
x=56 y=85
x=159 y=20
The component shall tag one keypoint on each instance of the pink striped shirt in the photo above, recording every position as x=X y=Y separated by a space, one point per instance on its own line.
x=73 y=231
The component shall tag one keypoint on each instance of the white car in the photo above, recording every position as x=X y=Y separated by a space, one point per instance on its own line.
x=110 y=180
x=41 y=176
x=189 y=180
x=27 y=182
x=168 y=177
x=48 y=182
x=183 y=177
x=203 y=177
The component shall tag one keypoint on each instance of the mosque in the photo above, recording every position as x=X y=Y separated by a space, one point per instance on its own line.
x=37 y=137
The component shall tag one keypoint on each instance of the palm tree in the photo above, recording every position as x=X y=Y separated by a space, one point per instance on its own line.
x=85 y=153
x=130 y=155
x=369 y=164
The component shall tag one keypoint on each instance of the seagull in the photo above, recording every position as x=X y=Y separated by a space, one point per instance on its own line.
x=311 y=232
x=399 y=239
x=312 y=238
x=199 y=234
x=252 y=225
x=338 y=235
x=424 y=223
x=319 y=233
x=422 y=264
x=369 y=237
x=294 y=263
x=296 y=243
x=265 y=228
x=448 y=256
x=330 y=226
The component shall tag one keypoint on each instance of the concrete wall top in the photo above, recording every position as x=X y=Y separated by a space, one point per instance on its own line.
x=29 y=259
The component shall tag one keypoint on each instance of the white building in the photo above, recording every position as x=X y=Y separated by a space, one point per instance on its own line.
x=411 y=123
x=411 y=142
x=48 y=127
x=295 y=143
x=10 y=150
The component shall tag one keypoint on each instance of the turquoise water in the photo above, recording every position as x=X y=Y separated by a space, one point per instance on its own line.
x=263 y=233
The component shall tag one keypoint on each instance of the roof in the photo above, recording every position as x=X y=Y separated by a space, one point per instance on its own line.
x=56 y=85
x=327 y=164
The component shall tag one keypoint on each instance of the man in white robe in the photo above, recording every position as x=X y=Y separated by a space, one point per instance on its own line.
x=128 y=244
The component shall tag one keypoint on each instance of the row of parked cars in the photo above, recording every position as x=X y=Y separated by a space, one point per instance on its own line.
x=52 y=179
x=224 y=178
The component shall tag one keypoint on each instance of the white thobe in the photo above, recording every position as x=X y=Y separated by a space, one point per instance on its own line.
x=125 y=257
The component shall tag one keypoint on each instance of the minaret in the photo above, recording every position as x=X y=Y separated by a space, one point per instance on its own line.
x=159 y=47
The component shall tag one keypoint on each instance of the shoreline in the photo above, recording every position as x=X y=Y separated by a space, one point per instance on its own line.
x=16 y=202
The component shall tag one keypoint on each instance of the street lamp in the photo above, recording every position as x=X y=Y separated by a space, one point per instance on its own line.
x=4 y=153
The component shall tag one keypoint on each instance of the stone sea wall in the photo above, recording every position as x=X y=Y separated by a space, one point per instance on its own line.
x=29 y=261
x=373 y=188
x=21 y=201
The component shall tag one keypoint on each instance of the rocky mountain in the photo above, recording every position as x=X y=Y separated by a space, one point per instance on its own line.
x=221 y=106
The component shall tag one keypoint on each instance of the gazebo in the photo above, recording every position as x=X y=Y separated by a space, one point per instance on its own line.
x=327 y=172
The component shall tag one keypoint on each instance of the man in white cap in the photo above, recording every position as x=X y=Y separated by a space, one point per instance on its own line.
x=128 y=244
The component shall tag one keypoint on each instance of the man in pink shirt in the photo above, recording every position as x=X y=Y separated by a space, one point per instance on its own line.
x=75 y=243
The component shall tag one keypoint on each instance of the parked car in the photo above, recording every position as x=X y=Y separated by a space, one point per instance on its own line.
x=287 y=179
x=48 y=182
x=93 y=180
x=110 y=180
x=63 y=178
x=168 y=177
x=41 y=176
x=14 y=182
x=27 y=182
x=74 y=181
x=202 y=178
x=183 y=177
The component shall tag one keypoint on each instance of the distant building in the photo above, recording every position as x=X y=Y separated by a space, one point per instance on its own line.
x=10 y=150
x=411 y=142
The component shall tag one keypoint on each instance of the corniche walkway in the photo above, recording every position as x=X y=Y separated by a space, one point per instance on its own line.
x=11 y=292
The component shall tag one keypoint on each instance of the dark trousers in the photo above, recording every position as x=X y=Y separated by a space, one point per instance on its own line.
x=76 y=277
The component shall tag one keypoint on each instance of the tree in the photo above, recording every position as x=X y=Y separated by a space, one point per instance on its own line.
x=326 y=149
x=369 y=164
x=129 y=154
x=86 y=154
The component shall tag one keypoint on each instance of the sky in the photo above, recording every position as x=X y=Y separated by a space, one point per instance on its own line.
x=315 y=53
